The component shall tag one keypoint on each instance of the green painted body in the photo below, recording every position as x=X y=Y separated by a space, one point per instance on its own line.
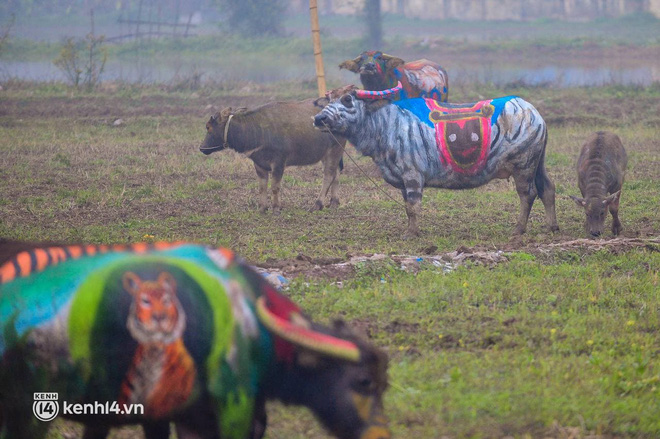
x=69 y=323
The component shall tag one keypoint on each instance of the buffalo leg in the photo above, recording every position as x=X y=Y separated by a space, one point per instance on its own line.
x=330 y=181
x=546 y=192
x=614 y=210
x=548 y=200
x=412 y=194
x=263 y=187
x=527 y=193
x=335 y=158
x=278 y=171
x=260 y=419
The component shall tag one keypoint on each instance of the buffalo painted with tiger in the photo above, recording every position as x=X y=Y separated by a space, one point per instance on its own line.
x=171 y=332
x=421 y=142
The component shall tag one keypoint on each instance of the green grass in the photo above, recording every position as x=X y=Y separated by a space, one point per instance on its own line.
x=551 y=343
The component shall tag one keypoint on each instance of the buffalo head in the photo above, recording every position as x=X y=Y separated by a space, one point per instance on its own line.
x=216 y=131
x=374 y=68
x=335 y=373
x=342 y=114
x=596 y=211
x=333 y=94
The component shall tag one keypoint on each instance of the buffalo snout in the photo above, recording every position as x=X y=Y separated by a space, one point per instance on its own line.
x=209 y=146
x=368 y=68
x=320 y=120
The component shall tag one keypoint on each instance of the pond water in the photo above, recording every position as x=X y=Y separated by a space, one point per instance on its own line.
x=147 y=72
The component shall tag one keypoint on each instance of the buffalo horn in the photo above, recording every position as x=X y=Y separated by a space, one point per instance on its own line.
x=378 y=94
x=306 y=338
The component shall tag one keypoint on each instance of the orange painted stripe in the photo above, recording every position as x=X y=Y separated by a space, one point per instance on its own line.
x=54 y=255
x=90 y=250
x=24 y=263
x=42 y=258
x=103 y=248
x=75 y=251
x=228 y=254
x=162 y=245
x=7 y=272
x=140 y=247
x=61 y=254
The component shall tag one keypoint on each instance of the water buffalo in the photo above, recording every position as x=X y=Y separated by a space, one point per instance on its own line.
x=601 y=168
x=421 y=142
x=170 y=332
x=274 y=136
x=421 y=78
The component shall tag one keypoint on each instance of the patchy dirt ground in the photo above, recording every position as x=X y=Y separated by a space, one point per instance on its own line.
x=338 y=269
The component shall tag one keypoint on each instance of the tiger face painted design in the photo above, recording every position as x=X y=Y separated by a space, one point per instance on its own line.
x=162 y=374
x=156 y=314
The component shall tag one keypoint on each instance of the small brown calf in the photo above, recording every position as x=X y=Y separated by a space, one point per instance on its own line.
x=601 y=168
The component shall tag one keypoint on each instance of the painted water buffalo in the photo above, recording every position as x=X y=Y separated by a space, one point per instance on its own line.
x=421 y=142
x=601 y=168
x=421 y=78
x=274 y=136
x=170 y=332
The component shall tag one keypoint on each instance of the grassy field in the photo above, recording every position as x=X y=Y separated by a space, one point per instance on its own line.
x=558 y=340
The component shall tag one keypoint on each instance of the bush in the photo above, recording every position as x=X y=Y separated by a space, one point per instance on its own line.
x=70 y=60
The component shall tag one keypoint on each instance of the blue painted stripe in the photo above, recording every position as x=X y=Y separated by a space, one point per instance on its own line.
x=418 y=107
x=499 y=104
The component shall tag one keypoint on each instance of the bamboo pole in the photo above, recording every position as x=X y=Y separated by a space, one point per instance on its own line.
x=318 y=54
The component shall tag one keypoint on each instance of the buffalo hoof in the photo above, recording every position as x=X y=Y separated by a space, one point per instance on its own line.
x=411 y=234
x=318 y=205
x=554 y=228
x=276 y=210
x=263 y=209
x=334 y=203
x=616 y=229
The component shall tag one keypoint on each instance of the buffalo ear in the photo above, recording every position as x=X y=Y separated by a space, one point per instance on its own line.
x=351 y=65
x=579 y=201
x=392 y=61
x=321 y=102
x=612 y=198
x=226 y=112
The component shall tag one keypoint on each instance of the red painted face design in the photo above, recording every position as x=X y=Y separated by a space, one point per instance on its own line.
x=462 y=135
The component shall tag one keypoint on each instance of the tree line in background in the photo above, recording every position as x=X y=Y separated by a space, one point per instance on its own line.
x=247 y=17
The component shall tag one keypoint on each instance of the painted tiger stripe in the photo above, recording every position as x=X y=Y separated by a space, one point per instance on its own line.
x=67 y=254
x=54 y=255
x=36 y=260
x=61 y=253
x=8 y=271
x=75 y=251
x=24 y=262
x=140 y=247
x=226 y=253
x=42 y=259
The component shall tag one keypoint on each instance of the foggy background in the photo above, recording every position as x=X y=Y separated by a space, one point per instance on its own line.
x=558 y=43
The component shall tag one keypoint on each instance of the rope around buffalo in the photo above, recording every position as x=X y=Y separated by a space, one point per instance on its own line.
x=361 y=170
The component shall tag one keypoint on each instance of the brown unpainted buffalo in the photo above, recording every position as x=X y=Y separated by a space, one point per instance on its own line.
x=601 y=168
x=274 y=136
